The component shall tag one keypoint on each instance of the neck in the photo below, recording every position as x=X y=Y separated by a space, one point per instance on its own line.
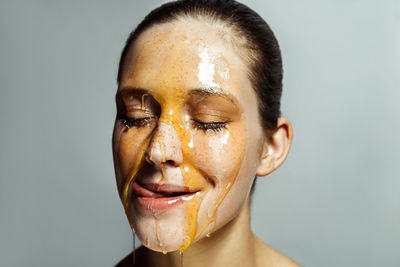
x=232 y=245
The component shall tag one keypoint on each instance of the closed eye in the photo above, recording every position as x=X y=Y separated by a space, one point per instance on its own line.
x=136 y=122
x=210 y=126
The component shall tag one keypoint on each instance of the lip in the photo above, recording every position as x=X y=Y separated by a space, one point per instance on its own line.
x=161 y=197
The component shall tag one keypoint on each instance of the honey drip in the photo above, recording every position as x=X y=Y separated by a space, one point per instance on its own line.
x=163 y=149
x=181 y=258
x=163 y=153
x=192 y=208
x=143 y=107
x=134 y=248
x=130 y=178
x=164 y=252
x=157 y=222
x=187 y=240
x=212 y=213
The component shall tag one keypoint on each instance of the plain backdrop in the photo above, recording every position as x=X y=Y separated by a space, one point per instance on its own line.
x=334 y=202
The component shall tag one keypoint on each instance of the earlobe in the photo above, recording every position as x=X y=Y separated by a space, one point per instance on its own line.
x=275 y=148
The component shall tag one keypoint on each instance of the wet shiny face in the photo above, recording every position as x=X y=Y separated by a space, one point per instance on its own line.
x=187 y=137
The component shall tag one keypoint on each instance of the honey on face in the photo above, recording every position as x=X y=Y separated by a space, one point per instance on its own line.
x=183 y=122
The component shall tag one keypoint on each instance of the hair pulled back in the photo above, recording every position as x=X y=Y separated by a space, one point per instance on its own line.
x=248 y=28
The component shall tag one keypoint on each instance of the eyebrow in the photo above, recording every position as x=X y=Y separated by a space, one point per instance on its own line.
x=131 y=91
x=203 y=91
x=213 y=91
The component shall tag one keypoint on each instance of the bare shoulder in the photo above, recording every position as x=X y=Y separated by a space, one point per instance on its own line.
x=269 y=257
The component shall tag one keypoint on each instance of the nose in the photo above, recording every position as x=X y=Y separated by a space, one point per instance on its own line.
x=165 y=147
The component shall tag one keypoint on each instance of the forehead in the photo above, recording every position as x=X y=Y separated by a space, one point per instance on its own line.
x=185 y=54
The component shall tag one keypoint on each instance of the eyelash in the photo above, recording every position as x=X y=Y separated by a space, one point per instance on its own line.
x=210 y=126
x=131 y=122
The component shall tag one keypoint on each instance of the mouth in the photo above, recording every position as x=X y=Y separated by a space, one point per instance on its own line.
x=161 y=197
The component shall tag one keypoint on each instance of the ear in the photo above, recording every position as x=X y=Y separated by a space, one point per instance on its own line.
x=275 y=148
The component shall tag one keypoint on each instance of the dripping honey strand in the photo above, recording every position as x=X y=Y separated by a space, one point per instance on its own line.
x=131 y=176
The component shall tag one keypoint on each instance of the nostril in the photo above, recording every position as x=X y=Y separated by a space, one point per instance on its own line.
x=170 y=162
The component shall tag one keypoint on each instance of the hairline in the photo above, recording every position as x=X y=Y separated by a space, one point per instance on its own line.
x=230 y=34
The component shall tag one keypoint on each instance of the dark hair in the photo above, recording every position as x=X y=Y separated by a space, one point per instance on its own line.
x=249 y=31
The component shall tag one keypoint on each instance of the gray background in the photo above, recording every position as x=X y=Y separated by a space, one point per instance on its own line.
x=336 y=200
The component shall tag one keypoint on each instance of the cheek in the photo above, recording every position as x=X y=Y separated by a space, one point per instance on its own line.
x=129 y=146
x=219 y=154
x=218 y=157
x=239 y=191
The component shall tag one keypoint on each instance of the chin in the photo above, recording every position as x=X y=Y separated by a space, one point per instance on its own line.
x=163 y=232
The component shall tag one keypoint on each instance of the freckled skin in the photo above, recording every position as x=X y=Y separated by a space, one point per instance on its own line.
x=221 y=164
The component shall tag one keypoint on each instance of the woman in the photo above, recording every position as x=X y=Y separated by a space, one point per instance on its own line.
x=198 y=108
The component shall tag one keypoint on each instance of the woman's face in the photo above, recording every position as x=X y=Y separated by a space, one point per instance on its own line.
x=187 y=139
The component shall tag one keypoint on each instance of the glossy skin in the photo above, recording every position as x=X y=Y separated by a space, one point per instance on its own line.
x=188 y=123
